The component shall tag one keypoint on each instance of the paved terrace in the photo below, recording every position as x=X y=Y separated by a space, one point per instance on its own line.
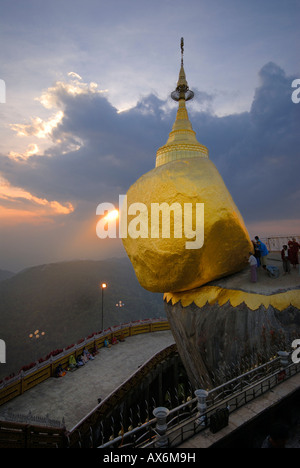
x=265 y=284
x=76 y=394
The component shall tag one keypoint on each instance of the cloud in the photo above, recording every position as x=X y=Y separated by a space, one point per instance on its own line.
x=18 y=206
x=55 y=95
x=265 y=157
x=96 y=152
x=38 y=127
x=30 y=151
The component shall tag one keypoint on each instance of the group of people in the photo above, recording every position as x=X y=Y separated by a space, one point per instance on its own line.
x=85 y=356
x=259 y=258
x=289 y=256
x=114 y=340
x=75 y=363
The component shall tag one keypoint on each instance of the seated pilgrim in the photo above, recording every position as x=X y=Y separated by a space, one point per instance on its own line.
x=87 y=355
x=72 y=363
x=59 y=371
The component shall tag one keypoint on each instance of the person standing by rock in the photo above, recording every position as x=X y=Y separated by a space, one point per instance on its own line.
x=256 y=252
x=285 y=256
x=263 y=252
x=253 y=267
x=294 y=250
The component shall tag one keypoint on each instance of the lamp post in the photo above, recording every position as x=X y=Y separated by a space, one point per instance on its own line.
x=103 y=286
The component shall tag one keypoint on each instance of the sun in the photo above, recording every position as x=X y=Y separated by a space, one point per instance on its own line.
x=114 y=214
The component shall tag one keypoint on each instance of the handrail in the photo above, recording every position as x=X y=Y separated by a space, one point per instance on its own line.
x=190 y=406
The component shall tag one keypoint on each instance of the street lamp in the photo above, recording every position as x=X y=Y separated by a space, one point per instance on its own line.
x=103 y=286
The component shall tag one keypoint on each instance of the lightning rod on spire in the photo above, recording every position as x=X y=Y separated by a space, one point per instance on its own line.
x=182 y=49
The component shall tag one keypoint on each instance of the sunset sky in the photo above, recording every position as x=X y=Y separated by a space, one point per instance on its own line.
x=88 y=104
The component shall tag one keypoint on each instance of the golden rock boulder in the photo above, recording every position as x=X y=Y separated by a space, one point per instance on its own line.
x=182 y=226
x=211 y=241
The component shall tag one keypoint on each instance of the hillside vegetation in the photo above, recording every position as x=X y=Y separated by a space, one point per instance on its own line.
x=63 y=300
x=5 y=274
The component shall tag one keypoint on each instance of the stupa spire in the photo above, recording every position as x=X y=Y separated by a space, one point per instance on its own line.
x=182 y=90
x=182 y=142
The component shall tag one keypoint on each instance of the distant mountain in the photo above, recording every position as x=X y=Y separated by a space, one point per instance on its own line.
x=5 y=274
x=64 y=301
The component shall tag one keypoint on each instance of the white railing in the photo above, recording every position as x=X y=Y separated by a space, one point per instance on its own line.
x=275 y=243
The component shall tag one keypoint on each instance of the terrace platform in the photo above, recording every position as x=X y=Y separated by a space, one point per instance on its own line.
x=72 y=397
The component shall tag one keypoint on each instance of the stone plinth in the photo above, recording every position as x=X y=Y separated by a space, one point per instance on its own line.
x=228 y=326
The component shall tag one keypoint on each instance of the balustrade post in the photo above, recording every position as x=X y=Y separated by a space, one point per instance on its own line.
x=284 y=358
x=201 y=405
x=284 y=362
x=161 y=414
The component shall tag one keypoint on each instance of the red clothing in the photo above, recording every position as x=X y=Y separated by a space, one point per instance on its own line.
x=294 y=249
